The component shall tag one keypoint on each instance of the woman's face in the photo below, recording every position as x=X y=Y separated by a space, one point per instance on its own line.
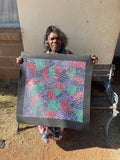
x=55 y=42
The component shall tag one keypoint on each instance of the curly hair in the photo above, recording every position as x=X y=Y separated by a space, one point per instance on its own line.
x=50 y=29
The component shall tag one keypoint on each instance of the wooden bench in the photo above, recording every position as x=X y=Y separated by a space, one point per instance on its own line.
x=104 y=97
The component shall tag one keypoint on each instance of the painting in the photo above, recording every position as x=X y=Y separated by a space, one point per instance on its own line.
x=54 y=90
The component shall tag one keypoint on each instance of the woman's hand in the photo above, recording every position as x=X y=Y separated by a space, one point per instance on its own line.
x=94 y=59
x=18 y=60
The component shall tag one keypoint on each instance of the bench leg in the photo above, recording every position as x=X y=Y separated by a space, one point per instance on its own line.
x=17 y=128
x=115 y=111
x=107 y=126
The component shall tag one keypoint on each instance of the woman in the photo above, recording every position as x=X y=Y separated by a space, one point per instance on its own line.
x=55 y=42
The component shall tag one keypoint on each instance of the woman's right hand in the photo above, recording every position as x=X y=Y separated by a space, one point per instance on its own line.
x=18 y=60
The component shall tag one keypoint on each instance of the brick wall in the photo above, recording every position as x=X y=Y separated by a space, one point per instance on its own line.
x=10 y=47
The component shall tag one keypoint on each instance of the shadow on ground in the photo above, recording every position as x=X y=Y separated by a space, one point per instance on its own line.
x=8 y=88
x=95 y=137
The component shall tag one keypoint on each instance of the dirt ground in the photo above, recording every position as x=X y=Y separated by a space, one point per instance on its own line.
x=75 y=145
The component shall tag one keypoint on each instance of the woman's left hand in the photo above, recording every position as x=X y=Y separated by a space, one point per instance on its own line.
x=94 y=59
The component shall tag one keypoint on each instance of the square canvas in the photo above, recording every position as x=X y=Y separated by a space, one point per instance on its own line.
x=54 y=90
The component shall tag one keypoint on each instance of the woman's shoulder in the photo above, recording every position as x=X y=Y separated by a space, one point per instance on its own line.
x=69 y=52
x=45 y=51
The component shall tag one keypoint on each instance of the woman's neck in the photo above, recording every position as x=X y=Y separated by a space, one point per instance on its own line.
x=55 y=52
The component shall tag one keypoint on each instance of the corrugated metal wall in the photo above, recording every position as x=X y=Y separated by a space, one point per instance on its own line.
x=8 y=13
